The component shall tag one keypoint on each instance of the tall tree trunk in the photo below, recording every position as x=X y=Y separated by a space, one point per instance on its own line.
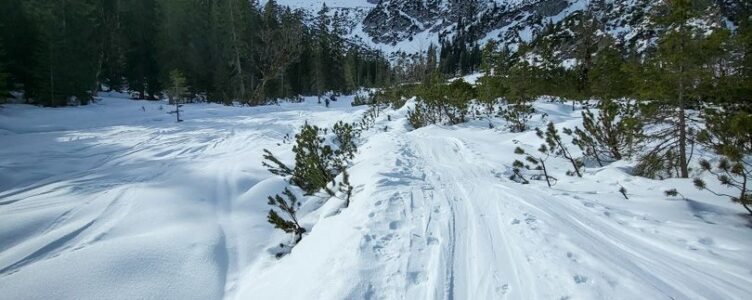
x=683 y=163
x=236 y=48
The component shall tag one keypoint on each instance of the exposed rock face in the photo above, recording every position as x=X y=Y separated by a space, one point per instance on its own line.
x=391 y=22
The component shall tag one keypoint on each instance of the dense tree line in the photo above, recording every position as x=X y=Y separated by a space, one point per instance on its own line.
x=228 y=50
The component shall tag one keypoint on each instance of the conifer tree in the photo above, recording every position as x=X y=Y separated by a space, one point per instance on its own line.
x=68 y=54
x=142 y=69
x=280 y=38
x=288 y=205
x=20 y=37
x=555 y=146
x=585 y=47
x=608 y=74
x=673 y=77
x=3 y=74
x=537 y=163
x=314 y=161
x=728 y=134
x=113 y=46
x=177 y=91
x=612 y=134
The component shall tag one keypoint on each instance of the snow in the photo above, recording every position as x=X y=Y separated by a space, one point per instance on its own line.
x=315 y=5
x=112 y=201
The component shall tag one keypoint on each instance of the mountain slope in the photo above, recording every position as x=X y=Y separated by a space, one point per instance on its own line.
x=410 y=26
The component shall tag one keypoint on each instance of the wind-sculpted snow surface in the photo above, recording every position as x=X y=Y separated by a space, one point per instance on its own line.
x=122 y=203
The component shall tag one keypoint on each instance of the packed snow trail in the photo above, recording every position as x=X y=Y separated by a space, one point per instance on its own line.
x=116 y=201
x=436 y=217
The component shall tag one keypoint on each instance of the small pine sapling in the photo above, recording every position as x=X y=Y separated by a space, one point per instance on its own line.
x=288 y=205
x=673 y=193
x=346 y=188
x=536 y=163
x=623 y=192
x=177 y=91
x=314 y=161
x=517 y=115
x=344 y=138
x=611 y=135
x=556 y=147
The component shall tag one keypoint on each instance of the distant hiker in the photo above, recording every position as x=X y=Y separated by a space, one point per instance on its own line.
x=326 y=101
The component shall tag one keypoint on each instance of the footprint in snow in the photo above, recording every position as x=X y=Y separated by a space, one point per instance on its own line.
x=394 y=225
x=579 y=279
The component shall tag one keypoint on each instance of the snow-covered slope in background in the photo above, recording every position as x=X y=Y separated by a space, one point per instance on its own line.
x=116 y=201
x=411 y=26
x=315 y=5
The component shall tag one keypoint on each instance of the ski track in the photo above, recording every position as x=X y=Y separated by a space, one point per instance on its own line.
x=433 y=218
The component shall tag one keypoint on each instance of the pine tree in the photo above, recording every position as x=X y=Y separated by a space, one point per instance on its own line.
x=17 y=25
x=673 y=76
x=140 y=19
x=607 y=77
x=728 y=135
x=232 y=52
x=612 y=134
x=321 y=52
x=288 y=205
x=314 y=161
x=68 y=54
x=177 y=91
x=585 y=47
x=555 y=146
x=3 y=74
x=280 y=46
x=537 y=163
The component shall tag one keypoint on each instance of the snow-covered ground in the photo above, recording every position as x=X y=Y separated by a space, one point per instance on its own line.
x=117 y=201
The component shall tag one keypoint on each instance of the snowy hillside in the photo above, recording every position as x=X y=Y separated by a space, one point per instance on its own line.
x=117 y=201
x=411 y=26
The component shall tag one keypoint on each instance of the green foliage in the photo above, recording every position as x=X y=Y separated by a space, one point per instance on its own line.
x=416 y=117
x=612 y=134
x=517 y=115
x=440 y=103
x=3 y=74
x=66 y=57
x=177 y=86
x=314 y=161
x=674 y=78
x=227 y=50
x=344 y=139
x=288 y=223
x=535 y=163
x=607 y=77
x=555 y=146
x=728 y=134
x=490 y=89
